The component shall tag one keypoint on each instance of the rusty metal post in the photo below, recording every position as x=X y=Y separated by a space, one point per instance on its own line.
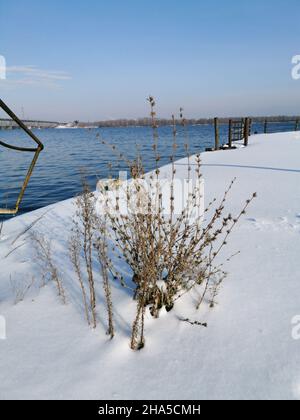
x=36 y=152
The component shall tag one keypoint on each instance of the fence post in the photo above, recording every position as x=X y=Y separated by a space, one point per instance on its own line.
x=297 y=125
x=246 y=132
x=266 y=126
x=250 y=126
x=230 y=134
x=217 y=139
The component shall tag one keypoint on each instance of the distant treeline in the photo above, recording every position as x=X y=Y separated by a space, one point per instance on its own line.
x=145 y=122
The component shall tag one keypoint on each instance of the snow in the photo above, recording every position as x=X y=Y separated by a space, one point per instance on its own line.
x=247 y=350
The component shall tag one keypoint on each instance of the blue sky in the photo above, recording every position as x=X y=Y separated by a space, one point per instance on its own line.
x=100 y=59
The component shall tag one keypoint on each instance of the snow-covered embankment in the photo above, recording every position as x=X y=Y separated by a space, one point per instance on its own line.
x=247 y=351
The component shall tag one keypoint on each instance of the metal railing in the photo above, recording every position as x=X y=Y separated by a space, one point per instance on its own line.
x=269 y=124
x=238 y=129
x=36 y=152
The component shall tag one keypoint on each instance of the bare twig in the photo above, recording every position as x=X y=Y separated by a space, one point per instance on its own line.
x=200 y=324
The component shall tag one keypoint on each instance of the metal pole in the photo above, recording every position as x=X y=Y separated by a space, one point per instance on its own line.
x=36 y=152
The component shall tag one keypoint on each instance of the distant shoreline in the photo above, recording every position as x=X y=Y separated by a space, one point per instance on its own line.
x=146 y=122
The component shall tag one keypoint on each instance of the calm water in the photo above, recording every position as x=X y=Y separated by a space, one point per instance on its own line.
x=57 y=174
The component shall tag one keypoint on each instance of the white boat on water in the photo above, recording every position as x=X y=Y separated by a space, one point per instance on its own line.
x=65 y=126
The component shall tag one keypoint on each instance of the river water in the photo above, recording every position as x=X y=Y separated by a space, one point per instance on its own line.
x=68 y=151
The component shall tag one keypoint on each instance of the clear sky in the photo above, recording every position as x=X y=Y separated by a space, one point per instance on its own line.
x=97 y=59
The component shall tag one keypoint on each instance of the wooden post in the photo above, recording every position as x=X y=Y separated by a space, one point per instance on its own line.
x=266 y=126
x=250 y=126
x=246 y=132
x=217 y=138
x=297 y=125
x=230 y=134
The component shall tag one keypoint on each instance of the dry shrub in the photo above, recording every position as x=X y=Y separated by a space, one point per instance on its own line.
x=20 y=288
x=44 y=256
x=169 y=254
x=101 y=245
x=87 y=243
x=82 y=240
x=1 y=228
x=75 y=250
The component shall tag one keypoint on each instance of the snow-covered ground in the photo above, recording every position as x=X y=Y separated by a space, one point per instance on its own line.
x=247 y=350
